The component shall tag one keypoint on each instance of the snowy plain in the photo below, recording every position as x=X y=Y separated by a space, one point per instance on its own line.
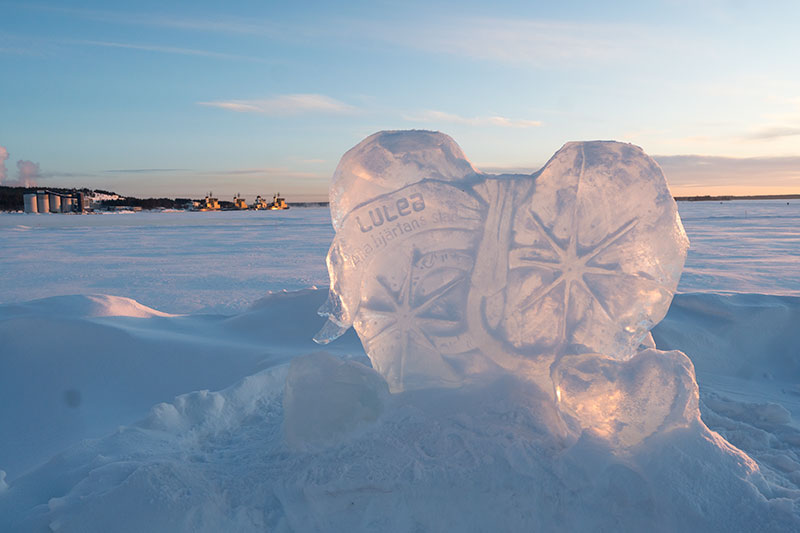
x=104 y=317
x=221 y=262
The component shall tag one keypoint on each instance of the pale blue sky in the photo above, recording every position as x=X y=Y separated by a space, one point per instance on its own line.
x=178 y=98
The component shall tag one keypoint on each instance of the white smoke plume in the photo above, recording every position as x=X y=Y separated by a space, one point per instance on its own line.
x=27 y=172
x=3 y=157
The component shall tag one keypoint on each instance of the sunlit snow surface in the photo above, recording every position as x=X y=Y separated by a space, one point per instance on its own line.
x=80 y=367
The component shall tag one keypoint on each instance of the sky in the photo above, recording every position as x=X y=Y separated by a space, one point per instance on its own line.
x=177 y=99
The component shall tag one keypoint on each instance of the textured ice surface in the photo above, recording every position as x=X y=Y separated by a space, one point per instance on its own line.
x=326 y=398
x=624 y=402
x=389 y=160
x=447 y=273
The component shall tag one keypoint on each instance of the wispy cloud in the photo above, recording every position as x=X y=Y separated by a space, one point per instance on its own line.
x=145 y=170
x=222 y=24
x=537 y=42
x=166 y=49
x=55 y=174
x=230 y=172
x=495 y=120
x=285 y=104
x=3 y=157
x=271 y=172
x=527 y=42
x=530 y=42
x=775 y=132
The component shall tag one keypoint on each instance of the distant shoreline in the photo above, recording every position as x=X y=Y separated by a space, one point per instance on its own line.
x=11 y=200
x=730 y=197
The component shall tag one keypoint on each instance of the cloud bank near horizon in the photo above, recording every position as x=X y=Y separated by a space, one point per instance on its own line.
x=703 y=174
x=694 y=175
x=687 y=175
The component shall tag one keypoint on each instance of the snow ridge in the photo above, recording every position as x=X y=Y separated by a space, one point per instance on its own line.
x=466 y=459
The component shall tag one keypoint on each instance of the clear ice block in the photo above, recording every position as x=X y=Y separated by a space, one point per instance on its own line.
x=448 y=274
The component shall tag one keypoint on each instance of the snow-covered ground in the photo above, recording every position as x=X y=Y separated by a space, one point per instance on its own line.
x=221 y=262
x=742 y=246
x=179 y=262
x=107 y=422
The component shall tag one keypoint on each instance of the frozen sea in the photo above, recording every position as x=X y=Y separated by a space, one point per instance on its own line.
x=221 y=262
x=176 y=262
x=144 y=359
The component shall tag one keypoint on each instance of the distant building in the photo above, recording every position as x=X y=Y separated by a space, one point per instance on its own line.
x=53 y=202
x=42 y=202
x=30 y=203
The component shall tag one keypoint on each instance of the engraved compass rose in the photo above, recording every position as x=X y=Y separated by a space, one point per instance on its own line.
x=570 y=267
x=576 y=292
x=411 y=315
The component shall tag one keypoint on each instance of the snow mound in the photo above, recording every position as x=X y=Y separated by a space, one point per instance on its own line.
x=486 y=457
x=82 y=306
x=287 y=448
x=75 y=367
x=744 y=347
x=748 y=336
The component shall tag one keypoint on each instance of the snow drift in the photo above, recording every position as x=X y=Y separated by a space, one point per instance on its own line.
x=247 y=458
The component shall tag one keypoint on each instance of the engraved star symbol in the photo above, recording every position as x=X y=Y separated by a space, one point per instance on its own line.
x=570 y=270
x=571 y=265
x=408 y=314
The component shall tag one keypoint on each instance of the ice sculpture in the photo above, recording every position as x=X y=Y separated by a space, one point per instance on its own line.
x=448 y=273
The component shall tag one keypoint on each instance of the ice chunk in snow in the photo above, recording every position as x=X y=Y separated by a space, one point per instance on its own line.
x=326 y=398
x=624 y=402
x=447 y=273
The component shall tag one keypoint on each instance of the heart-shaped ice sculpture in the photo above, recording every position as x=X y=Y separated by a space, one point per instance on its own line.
x=448 y=273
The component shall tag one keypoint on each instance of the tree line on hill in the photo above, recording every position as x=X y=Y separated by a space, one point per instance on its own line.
x=708 y=198
x=150 y=203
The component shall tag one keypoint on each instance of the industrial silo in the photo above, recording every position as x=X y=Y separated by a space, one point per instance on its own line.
x=42 y=202
x=30 y=202
x=55 y=203
x=67 y=203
